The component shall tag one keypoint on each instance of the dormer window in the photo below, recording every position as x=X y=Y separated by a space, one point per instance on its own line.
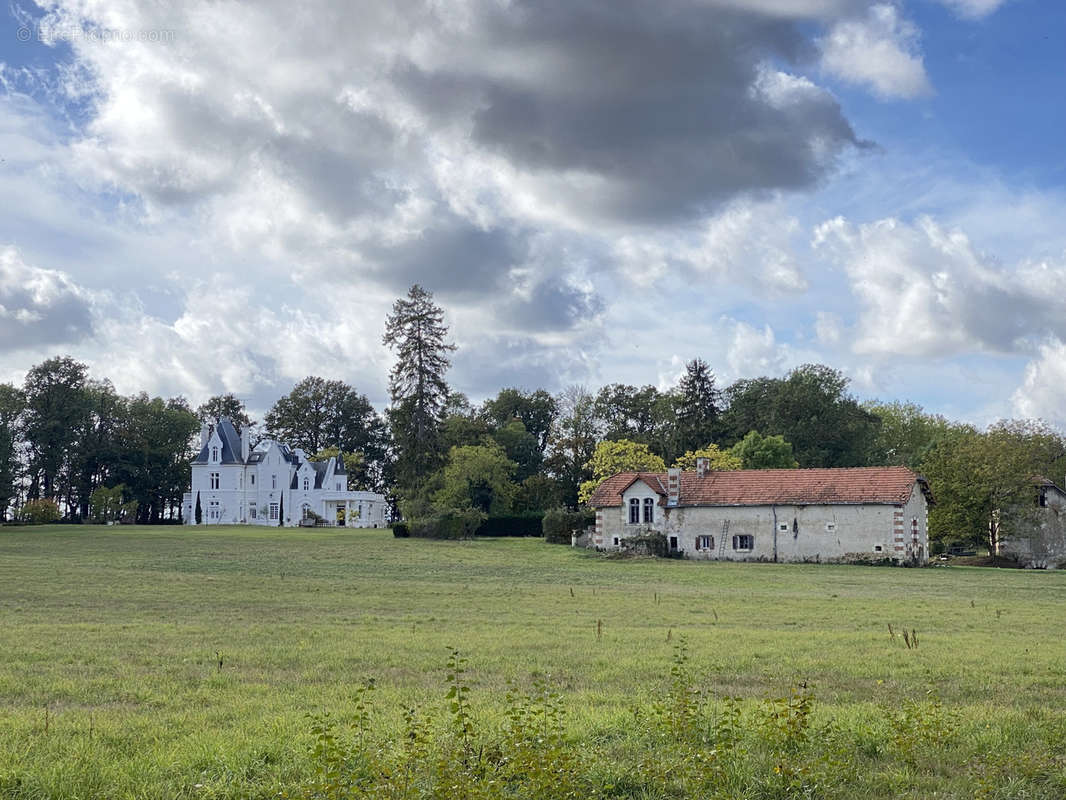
x=307 y=484
x=214 y=454
x=338 y=486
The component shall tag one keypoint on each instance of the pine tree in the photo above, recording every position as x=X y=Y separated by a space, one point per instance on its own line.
x=416 y=332
x=199 y=511
x=698 y=406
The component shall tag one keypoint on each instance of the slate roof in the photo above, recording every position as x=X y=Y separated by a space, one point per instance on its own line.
x=231 y=444
x=763 y=487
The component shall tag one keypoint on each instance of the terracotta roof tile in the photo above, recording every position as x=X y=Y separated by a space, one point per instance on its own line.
x=759 y=487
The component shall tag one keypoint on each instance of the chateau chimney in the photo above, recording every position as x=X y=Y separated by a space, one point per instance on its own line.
x=702 y=465
x=205 y=434
x=673 y=486
x=246 y=441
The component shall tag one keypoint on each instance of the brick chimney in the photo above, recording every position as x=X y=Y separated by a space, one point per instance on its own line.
x=702 y=466
x=673 y=486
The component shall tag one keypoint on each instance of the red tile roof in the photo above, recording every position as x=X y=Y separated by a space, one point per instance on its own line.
x=762 y=487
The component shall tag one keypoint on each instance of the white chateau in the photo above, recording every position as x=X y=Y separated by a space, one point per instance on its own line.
x=237 y=484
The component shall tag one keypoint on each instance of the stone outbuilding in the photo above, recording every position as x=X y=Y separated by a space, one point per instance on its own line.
x=863 y=514
x=1040 y=542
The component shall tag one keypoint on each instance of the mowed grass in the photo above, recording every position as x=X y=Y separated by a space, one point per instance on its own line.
x=111 y=638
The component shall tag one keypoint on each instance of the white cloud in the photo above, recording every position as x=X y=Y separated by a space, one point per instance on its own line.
x=973 y=9
x=1042 y=393
x=879 y=50
x=925 y=290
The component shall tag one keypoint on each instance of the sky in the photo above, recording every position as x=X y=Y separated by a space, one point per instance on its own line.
x=210 y=197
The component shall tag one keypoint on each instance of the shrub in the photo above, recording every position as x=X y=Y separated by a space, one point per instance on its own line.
x=400 y=530
x=454 y=524
x=528 y=524
x=39 y=512
x=559 y=523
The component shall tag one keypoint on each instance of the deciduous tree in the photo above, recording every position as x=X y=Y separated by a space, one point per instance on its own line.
x=622 y=455
x=756 y=451
x=478 y=477
x=717 y=460
x=225 y=405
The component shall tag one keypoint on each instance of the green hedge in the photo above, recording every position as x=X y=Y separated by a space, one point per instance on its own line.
x=559 y=523
x=449 y=525
x=400 y=530
x=528 y=524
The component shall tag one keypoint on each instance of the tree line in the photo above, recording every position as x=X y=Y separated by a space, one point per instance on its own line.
x=65 y=435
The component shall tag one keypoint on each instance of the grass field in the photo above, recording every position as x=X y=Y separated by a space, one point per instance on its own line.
x=111 y=641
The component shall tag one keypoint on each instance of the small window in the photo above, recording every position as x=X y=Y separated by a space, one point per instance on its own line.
x=617 y=541
x=338 y=486
x=273 y=481
x=743 y=541
x=307 y=484
x=830 y=527
x=634 y=511
x=649 y=510
x=783 y=527
x=214 y=480
x=704 y=542
x=878 y=548
x=673 y=543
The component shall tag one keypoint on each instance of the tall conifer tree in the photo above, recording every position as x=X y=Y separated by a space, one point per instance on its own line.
x=416 y=332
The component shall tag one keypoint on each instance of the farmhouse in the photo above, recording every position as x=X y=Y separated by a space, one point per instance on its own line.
x=1040 y=542
x=237 y=484
x=836 y=515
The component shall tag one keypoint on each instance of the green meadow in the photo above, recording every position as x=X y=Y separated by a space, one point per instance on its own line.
x=179 y=663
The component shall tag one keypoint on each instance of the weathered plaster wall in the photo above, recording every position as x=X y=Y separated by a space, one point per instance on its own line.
x=783 y=532
x=1043 y=545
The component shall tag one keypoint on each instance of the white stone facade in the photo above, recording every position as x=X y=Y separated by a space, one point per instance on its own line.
x=238 y=485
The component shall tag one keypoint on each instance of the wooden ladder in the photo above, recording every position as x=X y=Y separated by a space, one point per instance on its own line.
x=722 y=538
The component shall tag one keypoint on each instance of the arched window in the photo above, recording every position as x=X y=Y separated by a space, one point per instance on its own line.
x=649 y=510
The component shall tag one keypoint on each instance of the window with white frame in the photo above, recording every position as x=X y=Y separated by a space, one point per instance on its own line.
x=273 y=510
x=214 y=480
x=634 y=511
x=273 y=481
x=251 y=511
x=617 y=541
x=252 y=476
x=649 y=510
x=307 y=484
x=783 y=527
x=338 y=486
x=743 y=541
x=214 y=454
x=878 y=548
x=212 y=509
x=704 y=542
